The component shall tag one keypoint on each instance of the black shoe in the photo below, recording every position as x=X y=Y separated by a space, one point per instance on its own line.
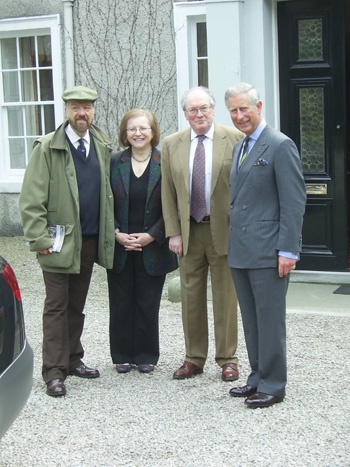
x=146 y=368
x=123 y=367
x=243 y=391
x=259 y=399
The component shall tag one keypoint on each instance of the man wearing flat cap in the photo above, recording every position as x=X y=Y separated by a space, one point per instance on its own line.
x=66 y=192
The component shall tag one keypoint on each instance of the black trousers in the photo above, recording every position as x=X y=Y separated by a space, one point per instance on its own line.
x=134 y=301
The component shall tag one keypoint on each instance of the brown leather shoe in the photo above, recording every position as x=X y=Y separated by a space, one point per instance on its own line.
x=187 y=370
x=83 y=371
x=229 y=372
x=56 y=388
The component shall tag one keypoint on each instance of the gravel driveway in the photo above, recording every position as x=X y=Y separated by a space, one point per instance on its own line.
x=152 y=420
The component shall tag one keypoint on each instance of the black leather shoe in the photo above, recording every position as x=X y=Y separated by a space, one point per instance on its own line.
x=83 y=371
x=259 y=399
x=146 y=368
x=56 y=388
x=242 y=391
x=123 y=367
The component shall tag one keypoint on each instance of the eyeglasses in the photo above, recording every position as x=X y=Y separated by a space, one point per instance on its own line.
x=135 y=130
x=204 y=110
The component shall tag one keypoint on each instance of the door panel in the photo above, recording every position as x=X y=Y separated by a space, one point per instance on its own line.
x=312 y=97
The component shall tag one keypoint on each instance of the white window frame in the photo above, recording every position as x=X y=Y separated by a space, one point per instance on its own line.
x=224 y=37
x=11 y=179
x=186 y=16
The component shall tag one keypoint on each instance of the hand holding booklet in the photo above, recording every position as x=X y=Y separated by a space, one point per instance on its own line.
x=56 y=232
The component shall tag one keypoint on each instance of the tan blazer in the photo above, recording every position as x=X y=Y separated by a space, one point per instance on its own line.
x=176 y=189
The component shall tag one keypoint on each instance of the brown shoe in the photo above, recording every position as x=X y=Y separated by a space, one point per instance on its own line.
x=187 y=370
x=56 y=388
x=83 y=371
x=229 y=372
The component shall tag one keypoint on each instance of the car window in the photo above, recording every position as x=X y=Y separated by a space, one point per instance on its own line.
x=12 y=337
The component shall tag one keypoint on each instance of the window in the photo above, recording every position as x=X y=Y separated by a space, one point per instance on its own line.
x=202 y=55
x=208 y=39
x=28 y=93
x=30 y=78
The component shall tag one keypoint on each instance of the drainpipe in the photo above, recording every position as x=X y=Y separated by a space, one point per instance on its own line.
x=69 y=41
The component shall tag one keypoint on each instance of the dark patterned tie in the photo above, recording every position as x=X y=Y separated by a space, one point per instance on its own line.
x=81 y=148
x=198 y=207
x=244 y=151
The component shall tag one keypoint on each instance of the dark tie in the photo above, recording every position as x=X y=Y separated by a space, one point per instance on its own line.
x=198 y=207
x=245 y=150
x=81 y=148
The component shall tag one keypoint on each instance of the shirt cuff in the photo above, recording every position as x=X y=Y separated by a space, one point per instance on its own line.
x=289 y=254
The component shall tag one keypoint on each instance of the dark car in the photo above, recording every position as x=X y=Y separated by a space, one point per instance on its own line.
x=16 y=355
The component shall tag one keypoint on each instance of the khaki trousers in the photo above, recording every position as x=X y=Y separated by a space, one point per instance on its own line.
x=194 y=267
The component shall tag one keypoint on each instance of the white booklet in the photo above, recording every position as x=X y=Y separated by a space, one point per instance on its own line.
x=56 y=232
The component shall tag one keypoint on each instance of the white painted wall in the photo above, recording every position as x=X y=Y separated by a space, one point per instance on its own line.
x=242 y=46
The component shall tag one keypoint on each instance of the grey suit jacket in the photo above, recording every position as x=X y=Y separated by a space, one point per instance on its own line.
x=267 y=202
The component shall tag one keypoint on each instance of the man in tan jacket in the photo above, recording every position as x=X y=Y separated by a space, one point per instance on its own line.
x=199 y=234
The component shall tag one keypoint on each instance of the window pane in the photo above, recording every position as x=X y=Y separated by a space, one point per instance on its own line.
x=8 y=53
x=11 y=88
x=17 y=154
x=46 y=88
x=202 y=40
x=44 y=51
x=15 y=121
x=49 y=118
x=203 y=73
x=33 y=120
x=30 y=142
x=27 y=52
x=310 y=39
x=311 y=105
x=29 y=86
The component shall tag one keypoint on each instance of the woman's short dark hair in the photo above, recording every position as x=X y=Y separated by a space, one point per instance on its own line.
x=137 y=112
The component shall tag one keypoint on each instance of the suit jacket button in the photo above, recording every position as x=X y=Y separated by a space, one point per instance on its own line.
x=244 y=207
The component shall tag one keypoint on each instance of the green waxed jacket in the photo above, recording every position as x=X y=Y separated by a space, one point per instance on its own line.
x=50 y=196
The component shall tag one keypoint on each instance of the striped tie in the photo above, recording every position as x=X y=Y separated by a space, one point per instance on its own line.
x=198 y=207
x=244 y=151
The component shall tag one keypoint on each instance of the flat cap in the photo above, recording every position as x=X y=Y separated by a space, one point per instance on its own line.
x=79 y=93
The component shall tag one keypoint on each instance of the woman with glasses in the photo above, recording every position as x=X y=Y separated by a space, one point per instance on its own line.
x=142 y=256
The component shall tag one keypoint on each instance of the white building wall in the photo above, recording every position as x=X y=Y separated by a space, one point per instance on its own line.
x=242 y=46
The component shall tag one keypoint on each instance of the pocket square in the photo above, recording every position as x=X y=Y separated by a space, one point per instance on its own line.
x=261 y=161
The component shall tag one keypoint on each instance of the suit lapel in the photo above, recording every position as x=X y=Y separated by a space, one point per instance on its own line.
x=124 y=169
x=154 y=174
x=183 y=155
x=219 y=148
x=256 y=152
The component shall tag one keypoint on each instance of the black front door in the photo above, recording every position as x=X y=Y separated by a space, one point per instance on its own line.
x=311 y=35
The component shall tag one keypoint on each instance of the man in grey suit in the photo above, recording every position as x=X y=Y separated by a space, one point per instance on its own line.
x=267 y=201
